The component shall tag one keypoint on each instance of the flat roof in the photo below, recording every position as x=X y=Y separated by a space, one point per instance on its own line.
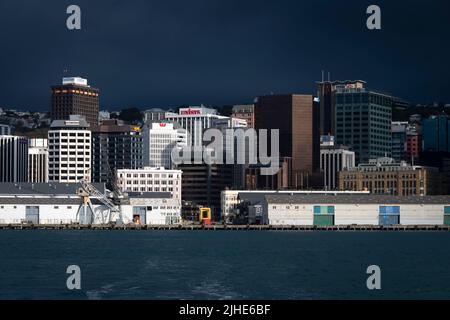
x=45 y=201
x=355 y=199
x=44 y=188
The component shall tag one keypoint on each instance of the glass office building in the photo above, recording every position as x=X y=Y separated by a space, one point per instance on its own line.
x=363 y=121
x=436 y=133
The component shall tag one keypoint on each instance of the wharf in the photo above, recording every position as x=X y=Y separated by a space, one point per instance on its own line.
x=225 y=227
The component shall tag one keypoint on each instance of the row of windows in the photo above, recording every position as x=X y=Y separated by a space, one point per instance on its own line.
x=148 y=175
x=149 y=189
x=156 y=182
x=69 y=134
x=57 y=177
x=57 y=159
x=71 y=153
x=53 y=172
x=57 y=141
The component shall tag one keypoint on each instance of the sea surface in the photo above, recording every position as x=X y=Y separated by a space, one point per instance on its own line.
x=224 y=264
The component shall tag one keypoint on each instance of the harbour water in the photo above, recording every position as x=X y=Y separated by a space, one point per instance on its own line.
x=223 y=265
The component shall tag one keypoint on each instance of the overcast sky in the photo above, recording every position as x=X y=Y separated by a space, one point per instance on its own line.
x=170 y=52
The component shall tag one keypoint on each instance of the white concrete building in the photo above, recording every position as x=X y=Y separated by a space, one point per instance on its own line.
x=231 y=198
x=60 y=203
x=13 y=159
x=38 y=160
x=357 y=209
x=195 y=120
x=159 y=139
x=334 y=159
x=44 y=203
x=69 y=143
x=152 y=209
x=150 y=180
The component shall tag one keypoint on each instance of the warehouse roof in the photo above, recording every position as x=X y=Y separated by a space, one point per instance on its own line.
x=44 y=188
x=354 y=199
x=44 y=201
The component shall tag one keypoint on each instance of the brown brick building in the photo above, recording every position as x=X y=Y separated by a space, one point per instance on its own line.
x=75 y=97
x=384 y=176
x=297 y=118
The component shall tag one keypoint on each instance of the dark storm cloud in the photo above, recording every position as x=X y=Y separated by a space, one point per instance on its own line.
x=168 y=53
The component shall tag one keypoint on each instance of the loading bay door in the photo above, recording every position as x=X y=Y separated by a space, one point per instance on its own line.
x=32 y=215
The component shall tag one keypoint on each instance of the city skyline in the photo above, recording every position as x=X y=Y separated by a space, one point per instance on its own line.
x=172 y=54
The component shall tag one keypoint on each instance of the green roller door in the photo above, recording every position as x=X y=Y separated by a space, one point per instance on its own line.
x=324 y=220
x=447 y=220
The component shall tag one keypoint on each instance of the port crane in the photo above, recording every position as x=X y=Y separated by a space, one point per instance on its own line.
x=86 y=213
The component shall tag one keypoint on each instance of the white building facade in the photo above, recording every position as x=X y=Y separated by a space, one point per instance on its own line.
x=159 y=139
x=150 y=180
x=195 y=120
x=334 y=159
x=60 y=203
x=357 y=210
x=38 y=160
x=230 y=199
x=13 y=159
x=70 y=156
x=144 y=210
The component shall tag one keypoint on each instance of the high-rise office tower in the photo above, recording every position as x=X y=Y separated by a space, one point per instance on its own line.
x=38 y=161
x=13 y=159
x=203 y=184
x=159 y=139
x=75 y=96
x=325 y=93
x=296 y=118
x=115 y=145
x=436 y=146
x=363 y=121
x=436 y=133
x=69 y=143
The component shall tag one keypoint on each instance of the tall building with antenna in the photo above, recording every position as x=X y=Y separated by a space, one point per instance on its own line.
x=325 y=89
